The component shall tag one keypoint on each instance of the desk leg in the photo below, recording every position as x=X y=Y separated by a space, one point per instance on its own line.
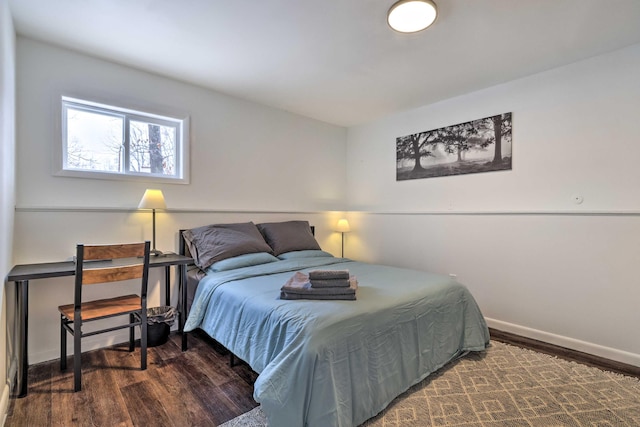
x=167 y=285
x=182 y=318
x=22 y=293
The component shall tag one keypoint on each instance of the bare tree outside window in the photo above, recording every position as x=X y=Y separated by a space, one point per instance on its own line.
x=105 y=139
x=153 y=148
x=91 y=138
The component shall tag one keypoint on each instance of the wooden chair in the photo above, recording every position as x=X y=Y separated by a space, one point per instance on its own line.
x=97 y=264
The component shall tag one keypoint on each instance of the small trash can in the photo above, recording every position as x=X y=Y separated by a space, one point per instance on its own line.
x=159 y=321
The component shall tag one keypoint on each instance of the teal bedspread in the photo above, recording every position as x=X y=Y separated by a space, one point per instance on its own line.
x=337 y=363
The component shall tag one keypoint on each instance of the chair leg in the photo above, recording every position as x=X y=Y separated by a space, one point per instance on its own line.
x=63 y=345
x=132 y=338
x=143 y=340
x=77 y=353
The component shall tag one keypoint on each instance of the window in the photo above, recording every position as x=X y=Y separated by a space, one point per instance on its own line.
x=103 y=141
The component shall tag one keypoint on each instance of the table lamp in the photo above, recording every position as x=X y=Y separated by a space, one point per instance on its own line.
x=343 y=227
x=153 y=199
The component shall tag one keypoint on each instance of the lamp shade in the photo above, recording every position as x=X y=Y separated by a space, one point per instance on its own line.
x=152 y=199
x=410 y=16
x=343 y=226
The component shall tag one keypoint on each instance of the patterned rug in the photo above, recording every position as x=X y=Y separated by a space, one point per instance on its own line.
x=507 y=386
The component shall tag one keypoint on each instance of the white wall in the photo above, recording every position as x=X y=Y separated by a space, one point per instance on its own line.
x=538 y=264
x=248 y=163
x=7 y=196
x=566 y=278
x=243 y=155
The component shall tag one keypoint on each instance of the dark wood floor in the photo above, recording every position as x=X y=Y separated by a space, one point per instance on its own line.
x=194 y=388
x=565 y=353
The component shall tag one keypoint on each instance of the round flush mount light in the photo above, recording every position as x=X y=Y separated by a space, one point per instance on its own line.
x=410 y=16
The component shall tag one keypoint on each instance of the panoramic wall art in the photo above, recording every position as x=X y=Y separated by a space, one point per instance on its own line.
x=482 y=145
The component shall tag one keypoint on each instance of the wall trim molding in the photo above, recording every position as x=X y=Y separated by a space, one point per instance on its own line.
x=75 y=209
x=4 y=403
x=536 y=212
x=565 y=353
x=548 y=212
x=567 y=343
x=7 y=390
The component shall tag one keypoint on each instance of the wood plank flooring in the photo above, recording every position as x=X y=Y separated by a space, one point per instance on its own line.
x=565 y=353
x=194 y=388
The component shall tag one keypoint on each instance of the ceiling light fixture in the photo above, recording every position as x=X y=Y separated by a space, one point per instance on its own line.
x=410 y=16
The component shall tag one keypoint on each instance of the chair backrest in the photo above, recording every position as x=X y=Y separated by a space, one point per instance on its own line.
x=111 y=263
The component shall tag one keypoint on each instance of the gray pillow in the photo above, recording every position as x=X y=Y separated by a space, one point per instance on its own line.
x=288 y=236
x=241 y=261
x=312 y=253
x=216 y=242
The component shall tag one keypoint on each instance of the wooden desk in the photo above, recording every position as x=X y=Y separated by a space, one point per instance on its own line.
x=21 y=274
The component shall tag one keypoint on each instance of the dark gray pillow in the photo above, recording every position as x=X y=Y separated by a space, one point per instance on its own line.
x=288 y=236
x=216 y=242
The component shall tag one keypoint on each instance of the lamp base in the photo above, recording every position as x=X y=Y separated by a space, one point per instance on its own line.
x=155 y=252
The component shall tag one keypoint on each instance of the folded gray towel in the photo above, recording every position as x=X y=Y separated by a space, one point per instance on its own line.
x=330 y=283
x=328 y=274
x=287 y=295
x=299 y=287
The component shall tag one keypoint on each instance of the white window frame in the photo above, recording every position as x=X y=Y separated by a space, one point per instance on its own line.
x=147 y=115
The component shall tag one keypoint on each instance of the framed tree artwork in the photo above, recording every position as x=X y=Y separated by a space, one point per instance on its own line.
x=481 y=145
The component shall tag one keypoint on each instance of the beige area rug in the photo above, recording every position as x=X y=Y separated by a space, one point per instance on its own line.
x=507 y=386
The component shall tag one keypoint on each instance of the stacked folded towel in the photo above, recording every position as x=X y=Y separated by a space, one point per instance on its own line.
x=300 y=286
x=329 y=278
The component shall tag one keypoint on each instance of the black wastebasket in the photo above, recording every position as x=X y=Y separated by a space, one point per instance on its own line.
x=159 y=321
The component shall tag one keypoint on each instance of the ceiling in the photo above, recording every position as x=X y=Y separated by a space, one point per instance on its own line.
x=334 y=60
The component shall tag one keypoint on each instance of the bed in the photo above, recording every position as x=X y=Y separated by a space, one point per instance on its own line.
x=324 y=363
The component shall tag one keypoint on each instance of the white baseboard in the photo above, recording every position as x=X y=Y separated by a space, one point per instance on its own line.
x=571 y=343
x=4 y=403
x=88 y=344
x=7 y=390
